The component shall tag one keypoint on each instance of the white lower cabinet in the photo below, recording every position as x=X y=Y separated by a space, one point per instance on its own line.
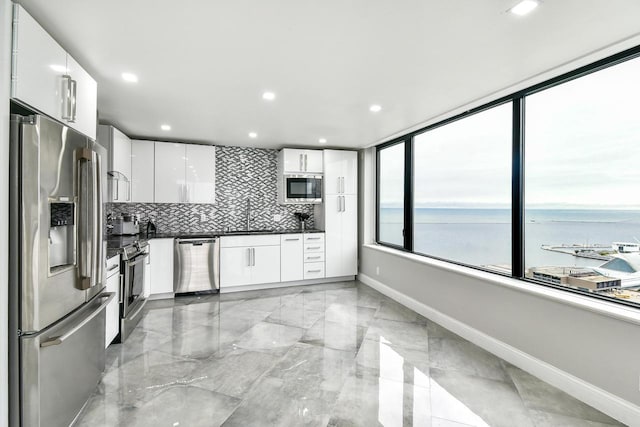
x=112 y=320
x=161 y=266
x=249 y=260
x=291 y=257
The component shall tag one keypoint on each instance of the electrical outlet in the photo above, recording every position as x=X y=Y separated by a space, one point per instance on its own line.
x=377 y=270
x=277 y=217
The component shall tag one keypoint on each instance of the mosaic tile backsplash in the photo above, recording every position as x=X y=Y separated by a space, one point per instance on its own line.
x=241 y=173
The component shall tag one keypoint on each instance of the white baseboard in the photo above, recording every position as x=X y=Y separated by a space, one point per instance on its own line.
x=612 y=405
x=262 y=286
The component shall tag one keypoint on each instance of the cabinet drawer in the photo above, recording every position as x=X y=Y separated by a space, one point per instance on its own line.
x=314 y=237
x=249 y=241
x=113 y=265
x=313 y=247
x=314 y=257
x=314 y=270
x=290 y=239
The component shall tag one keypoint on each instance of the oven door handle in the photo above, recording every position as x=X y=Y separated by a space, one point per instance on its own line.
x=137 y=260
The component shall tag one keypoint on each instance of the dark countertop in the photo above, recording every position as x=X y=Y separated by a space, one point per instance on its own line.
x=116 y=243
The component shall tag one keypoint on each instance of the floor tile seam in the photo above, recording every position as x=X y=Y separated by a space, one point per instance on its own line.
x=401 y=347
x=453 y=421
x=355 y=353
x=531 y=407
x=425 y=324
x=396 y=380
x=466 y=374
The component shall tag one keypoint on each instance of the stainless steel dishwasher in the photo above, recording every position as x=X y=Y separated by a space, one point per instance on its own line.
x=197 y=265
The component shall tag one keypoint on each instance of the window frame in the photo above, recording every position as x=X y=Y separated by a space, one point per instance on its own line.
x=518 y=100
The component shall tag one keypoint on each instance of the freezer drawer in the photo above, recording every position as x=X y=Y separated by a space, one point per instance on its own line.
x=61 y=366
x=196 y=265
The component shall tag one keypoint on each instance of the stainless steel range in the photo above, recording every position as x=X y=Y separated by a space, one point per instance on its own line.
x=133 y=258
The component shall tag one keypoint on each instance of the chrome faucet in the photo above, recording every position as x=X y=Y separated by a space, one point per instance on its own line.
x=249 y=219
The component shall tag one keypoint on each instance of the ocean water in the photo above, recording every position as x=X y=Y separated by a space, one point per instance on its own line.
x=483 y=236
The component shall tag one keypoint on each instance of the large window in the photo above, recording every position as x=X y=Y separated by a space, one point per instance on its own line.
x=462 y=190
x=541 y=185
x=391 y=194
x=582 y=177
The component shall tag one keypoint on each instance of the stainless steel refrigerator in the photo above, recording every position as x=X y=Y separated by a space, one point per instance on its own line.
x=57 y=317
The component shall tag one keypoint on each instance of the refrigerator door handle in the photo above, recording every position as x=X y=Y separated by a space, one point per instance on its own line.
x=97 y=220
x=108 y=297
x=84 y=157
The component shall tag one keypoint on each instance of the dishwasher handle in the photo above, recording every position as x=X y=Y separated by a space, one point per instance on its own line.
x=196 y=242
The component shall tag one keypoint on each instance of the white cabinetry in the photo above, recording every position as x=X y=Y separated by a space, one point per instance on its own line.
x=340 y=172
x=112 y=312
x=291 y=257
x=249 y=260
x=184 y=173
x=142 y=171
x=169 y=172
x=338 y=215
x=300 y=161
x=161 y=266
x=119 y=165
x=46 y=78
x=314 y=256
x=200 y=173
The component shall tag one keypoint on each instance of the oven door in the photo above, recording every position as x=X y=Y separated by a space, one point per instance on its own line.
x=303 y=189
x=133 y=283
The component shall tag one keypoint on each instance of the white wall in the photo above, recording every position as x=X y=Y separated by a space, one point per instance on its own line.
x=5 y=81
x=589 y=353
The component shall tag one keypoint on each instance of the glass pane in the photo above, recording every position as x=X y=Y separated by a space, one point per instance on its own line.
x=462 y=200
x=582 y=204
x=391 y=209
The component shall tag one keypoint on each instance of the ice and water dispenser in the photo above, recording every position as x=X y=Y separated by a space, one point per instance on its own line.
x=62 y=241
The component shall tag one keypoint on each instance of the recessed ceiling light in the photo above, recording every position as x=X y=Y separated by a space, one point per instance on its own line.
x=524 y=7
x=129 y=77
x=269 y=96
x=58 y=68
x=165 y=127
x=322 y=141
x=375 y=108
x=253 y=135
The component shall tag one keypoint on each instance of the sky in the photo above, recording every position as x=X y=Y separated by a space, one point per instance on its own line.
x=582 y=150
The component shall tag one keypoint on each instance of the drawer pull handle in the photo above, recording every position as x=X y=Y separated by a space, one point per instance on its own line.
x=313 y=238
x=313 y=257
x=313 y=247
x=291 y=240
x=314 y=271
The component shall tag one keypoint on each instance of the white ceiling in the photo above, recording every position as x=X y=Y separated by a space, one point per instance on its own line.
x=203 y=64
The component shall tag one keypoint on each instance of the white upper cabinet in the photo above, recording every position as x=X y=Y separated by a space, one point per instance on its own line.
x=38 y=66
x=119 y=165
x=340 y=172
x=142 y=171
x=169 y=172
x=300 y=161
x=200 y=173
x=85 y=97
x=46 y=78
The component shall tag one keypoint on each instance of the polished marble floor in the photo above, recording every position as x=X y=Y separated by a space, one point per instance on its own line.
x=339 y=355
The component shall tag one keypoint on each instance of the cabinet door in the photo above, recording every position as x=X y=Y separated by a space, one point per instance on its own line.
x=112 y=312
x=201 y=173
x=86 y=98
x=291 y=257
x=293 y=160
x=313 y=161
x=142 y=171
x=235 y=268
x=350 y=172
x=161 y=266
x=349 y=226
x=333 y=168
x=39 y=64
x=266 y=264
x=169 y=172
x=333 y=235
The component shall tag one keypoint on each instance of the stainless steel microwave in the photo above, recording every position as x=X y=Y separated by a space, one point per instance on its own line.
x=302 y=189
